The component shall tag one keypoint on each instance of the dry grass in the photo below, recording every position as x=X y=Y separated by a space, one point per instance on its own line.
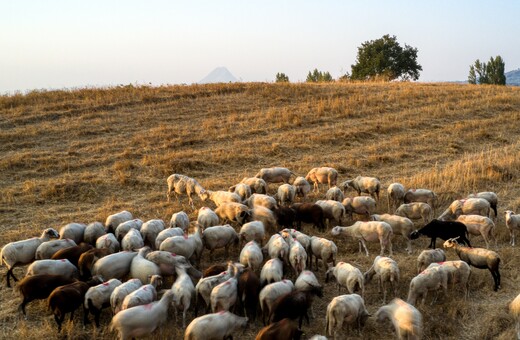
x=80 y=155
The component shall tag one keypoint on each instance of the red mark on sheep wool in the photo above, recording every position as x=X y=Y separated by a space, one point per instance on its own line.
x=105 y=283
x=148 y=306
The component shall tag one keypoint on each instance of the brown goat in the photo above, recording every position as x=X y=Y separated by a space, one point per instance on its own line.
x=248 y=291
x=72 y=253
x=294 y=305
x=215 y=269
x=309 y=213
x=87 y=259
x=285 y=329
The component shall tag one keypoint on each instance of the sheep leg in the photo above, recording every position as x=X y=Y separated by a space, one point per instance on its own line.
x=364 y=246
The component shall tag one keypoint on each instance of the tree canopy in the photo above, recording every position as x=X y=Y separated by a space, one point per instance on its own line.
x=318 y=76
x=282 y=78
x=492 y=72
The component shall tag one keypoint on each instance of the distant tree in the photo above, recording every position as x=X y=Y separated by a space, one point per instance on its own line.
x=282 y=78
x=385 y=58
x=491 y=73
x=318 y=76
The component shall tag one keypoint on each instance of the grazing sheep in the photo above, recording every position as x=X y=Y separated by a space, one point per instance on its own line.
x=405 y=318
x=333 y=211
x=270 y=293
x=168 y=232
x=144 y=294
x=189 y=246
x=207 y=218
x=141 y=268
x=469 y=206
x=272 y=271
x=49 y=248
x=415 y=211
x=141 y=320
x=302 y=187
x=92 y=232
x=252 y=231
x=400 y=226
x=421 y=195
x=251 y=256
x=241 y=189
x=72 y=253
x=285 y=195
x=347 y=276
x=73 y=231
x=387 y=271
x=225 y=294
x=295 y=305
x=22 y=252
x=87 y=259
x=150 y=230
x=322 y=175
x=53 y=267
x=395 y=193
x=108 y=241
x=114 y=220
x=183 y=290
x=297 y=255
x=123 y=228
x=219 y=236
x=431 y=279
x=264 y=215
x=220 y=197
x=512 y=223
x=368 y=185
x=168 y=261
x=360 y=205
x=96 y=298
x=183 y=185
x=479 y=225
x=215 y=326
x=489 y=196
x=121 y=291
x=335 y=194
x=514 y=308
x=443 y=230
x=265 y=201
x=180 y=220
x=458 y=273
x=205 y=286
x=277 y=248
x=309 y=213
x=324 y=250
x=368 y=231
x=233 y=211
x=133 y=240
x=345 y=309
x=114 y=266
x=275 y=175
x=257 y=185
x=429 y=256
x=479 y=258
x=304 y=239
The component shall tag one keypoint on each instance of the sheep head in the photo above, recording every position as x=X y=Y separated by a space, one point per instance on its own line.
x=450 y=243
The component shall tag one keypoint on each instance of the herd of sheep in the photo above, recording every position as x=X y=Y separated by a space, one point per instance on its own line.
x=126 y=263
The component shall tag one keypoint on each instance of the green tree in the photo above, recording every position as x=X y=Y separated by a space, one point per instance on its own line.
x=282 y=78
x=318 y=76
x=492 y=72
x=385 y=58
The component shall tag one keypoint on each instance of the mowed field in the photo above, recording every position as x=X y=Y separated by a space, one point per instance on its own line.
x=81 y=155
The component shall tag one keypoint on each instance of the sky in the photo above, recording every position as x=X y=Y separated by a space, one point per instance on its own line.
x=57 y=44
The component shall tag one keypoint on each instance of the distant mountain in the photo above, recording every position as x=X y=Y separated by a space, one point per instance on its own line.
x=513 y=77
x=219 y=75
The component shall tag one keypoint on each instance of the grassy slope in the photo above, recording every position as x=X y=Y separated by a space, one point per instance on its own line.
x=83 y=154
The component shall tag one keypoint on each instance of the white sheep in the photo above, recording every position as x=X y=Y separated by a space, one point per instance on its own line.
x=220 y=197
x=333 y=211
x=285 y=194
x=225 y=294
x=400 y=226
x=93 y=231
x=183 y=185
x=214 y=326
x=304 y=239
x=272 y=271
x=345 y=309
x=335 y=194
x=73 y=231
x=421 y=195
x=324 y=250
x=387 y=271
x=219 y=236
x=302 y=187
x=297 y=255
x=123 y=228
x=430 y=279
x=141 y=268
x=98 y=297
x=49 y=248
x=207 y=218
x=121 y=291
x=22 y=252
x=368 y=185
x=347 y=276
x=458 y=273
x=276 y=247
x=189 y=246
x=415 y=211
x=275 y=175
x=141 y=320
x=395 y=192
x=114 y=220
x=257 y=185
x=368 y=231
x=270 y=293
x=150 y=229
x=53 y=267
x=168 y=261
x=168 y=232
x=512 y=223
x=468 y=206
x=261 y=200
x=206 y=284
x=405 y=318
x=251 y=256
x=514 y=308
x=241 y=189
x=252 y=231
x=360 y=205
x=144 y=294
x=266 y=216
x=133 y=240
x=114 y=266
x=183 y=290
x=322 y=175
x=180 y=220
x=489 y=196
x=429 y=256
x=307 y=281
x=108 y=241
x=233 y=211
x=480 y=225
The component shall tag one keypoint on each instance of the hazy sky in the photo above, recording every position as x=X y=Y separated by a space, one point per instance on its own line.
x=72 y=43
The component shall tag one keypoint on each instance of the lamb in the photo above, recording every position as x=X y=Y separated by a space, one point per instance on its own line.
x=285 y=195
x=395 y=193
x=207 y=218
x=225 y=294
x=360 y=205
x=458 y=272
x=92 y=232
x=431 y=279
x=309 y=213
x=214 y=326
x=168 y=232
x=322 y=175
x=387 y=271
x=514 y=308
x=114 y=220
x=302 y=187
x=270 y=293
x=421 y=195
x=443 y=230
x=257 y=185
x=188 y=245
x=285 y=329
x=168 y=261
x=489 y=196
x=121 y=291
x=53 y=267
x=406 y=319
x=400 y=226
x=220 y=197
x=144 y=294
x=114 y=266
x=241 y=189
x=469 y=206
x=132 y=240
x=205 y=286
x=141 y=268
x=123 y=228
x=512 y=223
x=72 y=253
x=251 y=255
x=180 y=220
x=180 y=185
x=295 y=305
x=233 y=211
x=297 y=255
x=479 y=258
x=141 y=320
x=264 y=215
x=220 y=236
x=349 y=309
x=324 y=250
x=275 y=175
x=368 y=231
x=426 y=257
x=248 y=290
x=277 y=248
x=333 y=211
x=183 y=290
x=335 y=194
x=415 y=211
x=347 y=276
x=479 y=225
x=369 y=185
x=108 y=241
x=49 y=248
x=22 y=252
x=87 y=259
x=272 y=271
x=96 y=298
x=150 y=230
x=73 y=231
x=265 y=201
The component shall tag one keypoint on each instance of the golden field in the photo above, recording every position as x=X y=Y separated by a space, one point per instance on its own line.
x=80 y=155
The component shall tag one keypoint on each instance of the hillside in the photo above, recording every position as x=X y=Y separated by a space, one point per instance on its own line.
x=513 y=77
x=78 y=156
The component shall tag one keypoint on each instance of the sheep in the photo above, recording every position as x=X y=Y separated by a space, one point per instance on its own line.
x=144 y=294
x=141 y=320
x=302 y=187
x=180 y=220
x=96 y=298
x=87 y=259
x=266 y=216
x=304 y=239
x=168 y=232
x=360 y=205
x=108 y=241
x=276 y=247
x=429 y=256
x=297 y=255
x=333 y=211
x=133 y=240
x=180 y=185
x=114 y=266
x=285 y=329
x=395 y=192
x=368 y=231
x=275 y=175
x=72 y=253
x=405 y=318
x=73 y=231
x=92 y=232
x=347 y=276
x=207 y=218
x=188 y=245
x=265 y=201
x=66 y=299
x=168 y=261
x=49 y=248
x=257 y=185
x=309 y=213
x=270 y=293
x=512 y=223
x=469 y=206
x=431 y=279
x=335 y=194
x=225 y=294
x=322 y=175
x=324 y=250
x=479 y=258
x=214 y=269
x=150 y=230
x=443 y=230
x=205 y=286
x=183 y=290
x=306 y=281
x=369 y=185
x=114 y=220
x=349 y=309
x=387 y=271
x=214 y=326
x=22 y=252
x=220 y=197
x=121 y=291
x=248 y=290
x=53 y=267
x=458 y=272
x=285 y=195
x=415 y=211
x=123 y=228
x=141 y=268
x=272 y=271
x=220 y=236
x=252 y=231
x=241 y=189
x=38 y=287
x=421 y=195
x=251 y=255
x=489 y=196
x=514 y=308
x=400 y=226
x=233 y=211
x=295 y=305
x=479 y=225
